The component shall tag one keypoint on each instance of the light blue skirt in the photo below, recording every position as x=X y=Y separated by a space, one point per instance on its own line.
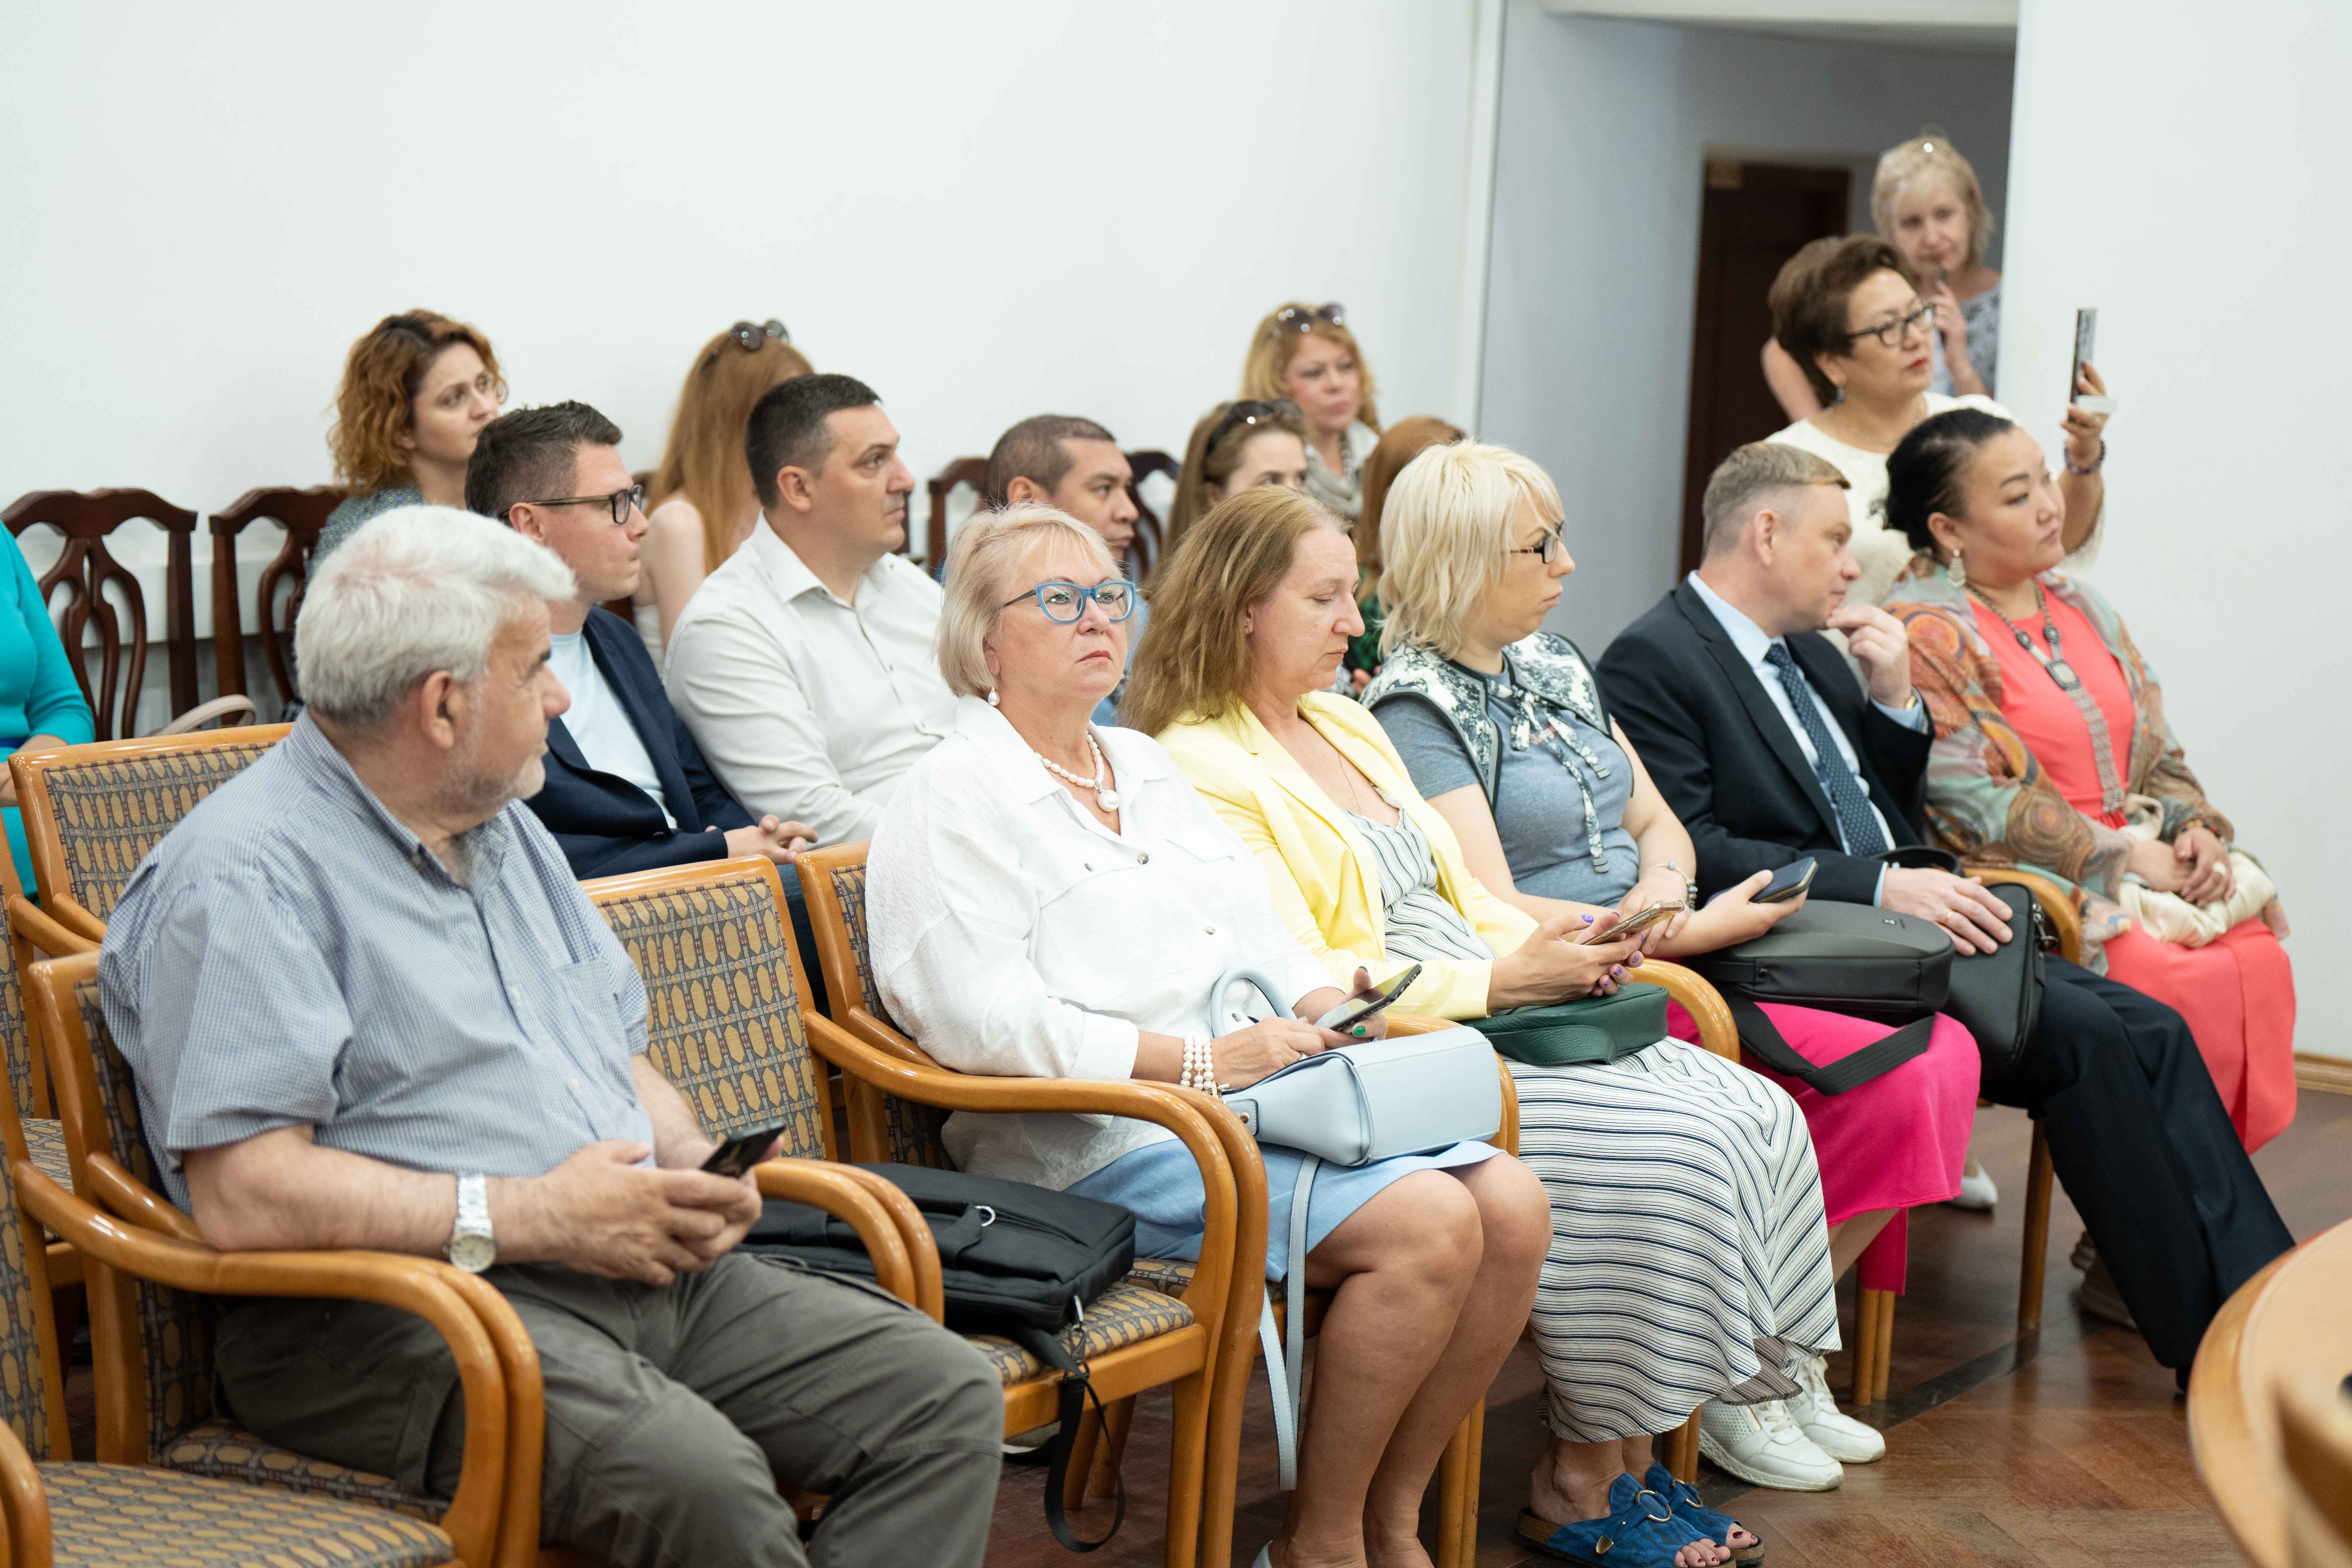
x=1162 y=1185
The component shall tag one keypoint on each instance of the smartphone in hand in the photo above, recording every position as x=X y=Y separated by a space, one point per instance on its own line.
x=736 y=1155
x=1786 y=882
x=1633 y=925
x=1356 y=1009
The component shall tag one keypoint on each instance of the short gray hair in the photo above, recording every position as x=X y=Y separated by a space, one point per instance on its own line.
x=981 y=563
x=1753 y=474
x=416 y=590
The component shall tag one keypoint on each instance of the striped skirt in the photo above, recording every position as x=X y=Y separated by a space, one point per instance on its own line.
x=1689 y=1260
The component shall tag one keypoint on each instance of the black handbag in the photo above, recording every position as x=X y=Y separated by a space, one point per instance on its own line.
x=1855 y=959
x=1015 y=1259
x=1998 y=995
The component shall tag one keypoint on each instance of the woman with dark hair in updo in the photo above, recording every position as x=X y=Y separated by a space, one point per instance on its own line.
x=2052 y=753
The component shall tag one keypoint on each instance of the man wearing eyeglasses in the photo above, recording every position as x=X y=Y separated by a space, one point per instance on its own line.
x=805 y=664
x=1072 y=465
x=627 y=789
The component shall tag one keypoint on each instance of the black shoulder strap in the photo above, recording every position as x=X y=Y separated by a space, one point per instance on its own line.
x=1759 y=1034
x=1076 y=1389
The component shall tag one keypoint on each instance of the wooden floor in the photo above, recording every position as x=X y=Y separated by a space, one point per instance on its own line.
x=2061 y=1453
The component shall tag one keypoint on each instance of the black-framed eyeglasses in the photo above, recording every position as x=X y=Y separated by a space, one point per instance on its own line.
x=1065 y=602
x=1330 y=314
x=1252 y=411
x=1547 y=550
x=751 y=337
x=1891 y=333
x=622 y=502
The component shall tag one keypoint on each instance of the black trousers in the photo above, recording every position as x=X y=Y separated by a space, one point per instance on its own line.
x=2146 y=1153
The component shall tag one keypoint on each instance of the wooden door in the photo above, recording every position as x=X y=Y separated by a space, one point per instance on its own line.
x=1755 y=216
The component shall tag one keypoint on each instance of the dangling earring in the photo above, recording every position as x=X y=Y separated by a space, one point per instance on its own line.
x=1956 y=575
x=992 y=698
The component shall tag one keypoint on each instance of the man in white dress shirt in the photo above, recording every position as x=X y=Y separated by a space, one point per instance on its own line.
x=804 y=666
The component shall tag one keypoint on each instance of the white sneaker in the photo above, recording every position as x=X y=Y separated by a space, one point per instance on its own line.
x=1841 y=1438
x=1761 y=1444
x=1977 y=1194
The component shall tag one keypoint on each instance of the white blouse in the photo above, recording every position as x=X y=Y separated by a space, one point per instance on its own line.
x=1014 y=934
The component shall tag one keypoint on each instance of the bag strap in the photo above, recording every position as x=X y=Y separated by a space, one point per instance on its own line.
x=1759 y=1034
x=1076 y=1389
x=1282 y=1369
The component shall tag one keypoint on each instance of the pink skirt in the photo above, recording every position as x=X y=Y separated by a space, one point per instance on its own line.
x=2237 y=994
x=1898 y=1140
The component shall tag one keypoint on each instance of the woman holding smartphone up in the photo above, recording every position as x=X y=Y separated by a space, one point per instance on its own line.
x=1502 y=728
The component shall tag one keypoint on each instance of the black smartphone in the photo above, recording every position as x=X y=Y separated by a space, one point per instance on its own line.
x=1356 y=1009
x=1787 y=882
x=736 y=1155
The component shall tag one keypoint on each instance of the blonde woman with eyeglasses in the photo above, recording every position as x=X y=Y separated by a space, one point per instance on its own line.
x=1306 y=353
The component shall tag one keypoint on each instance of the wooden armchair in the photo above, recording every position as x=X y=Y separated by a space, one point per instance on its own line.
x=92 y=813
x=278 y=597
x=154 y=1294
x=87 y=572
x=897 y=1098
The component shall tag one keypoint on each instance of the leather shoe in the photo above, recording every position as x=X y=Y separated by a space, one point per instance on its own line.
x=1762 y=1444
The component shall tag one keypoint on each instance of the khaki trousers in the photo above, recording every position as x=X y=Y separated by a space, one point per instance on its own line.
x=673 y=1413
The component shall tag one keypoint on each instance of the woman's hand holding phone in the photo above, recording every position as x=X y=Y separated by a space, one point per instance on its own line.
x=1734 y=916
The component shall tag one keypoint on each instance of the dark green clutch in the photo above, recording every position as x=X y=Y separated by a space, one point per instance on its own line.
x=1589 y=1029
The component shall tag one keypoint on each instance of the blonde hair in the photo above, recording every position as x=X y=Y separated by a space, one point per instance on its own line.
x=1204 y=466
x=1273 y=344
x=1406 y=439
x=981 y=563
x=1929 y=155
x=1754 y=475
x=703 y=460
x=1446 y=534
x=1195 y=661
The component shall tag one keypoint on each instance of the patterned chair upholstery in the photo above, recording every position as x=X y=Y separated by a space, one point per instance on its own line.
x=92 y=813
x=181 y=1430
x=914 y=1130
x=111 y=1514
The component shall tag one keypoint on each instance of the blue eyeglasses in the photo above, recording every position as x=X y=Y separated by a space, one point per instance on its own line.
x=1065 y=602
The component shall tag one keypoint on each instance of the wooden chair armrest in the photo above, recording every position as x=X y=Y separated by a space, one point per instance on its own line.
x=24 y=1502
x=838 y=1192
x=921 y=1250
x=1190 y=1116
x=129 y=1198
x=63 y=916
x=51 y=937
x=1401 y=1024
x=416 y=1285
x=1699 y=998
x=2057 y=909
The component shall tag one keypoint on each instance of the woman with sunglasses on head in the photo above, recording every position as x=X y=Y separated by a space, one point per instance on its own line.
x=1306 y=353
x=416 y=390
x=1501 y=726
x=1050 y=899
x=702 y=504
x=1848 y=312
x=1237 y=446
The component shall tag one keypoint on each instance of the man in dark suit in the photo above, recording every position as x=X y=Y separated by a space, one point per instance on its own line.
x=627 y=789
x=1761 y=739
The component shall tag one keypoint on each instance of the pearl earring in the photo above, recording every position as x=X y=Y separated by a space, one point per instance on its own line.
x=1956 y=574
x=992 y=698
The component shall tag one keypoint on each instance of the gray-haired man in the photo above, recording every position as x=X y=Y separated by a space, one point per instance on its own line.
x=368 y=1006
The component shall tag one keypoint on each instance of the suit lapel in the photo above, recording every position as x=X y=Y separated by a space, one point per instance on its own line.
x=1294 y=782
x=653 y=733
x=560 y=742
x=1767 y=718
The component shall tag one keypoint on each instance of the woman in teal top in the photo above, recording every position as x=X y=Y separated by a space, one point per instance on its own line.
x=40 y=703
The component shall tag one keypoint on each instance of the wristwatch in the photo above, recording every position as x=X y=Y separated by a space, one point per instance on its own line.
x=472 y=1247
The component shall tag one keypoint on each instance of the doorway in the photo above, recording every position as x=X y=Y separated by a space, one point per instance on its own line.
x=1754 y=218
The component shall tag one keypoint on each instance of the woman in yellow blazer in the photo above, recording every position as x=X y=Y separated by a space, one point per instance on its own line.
x=1689 y=1260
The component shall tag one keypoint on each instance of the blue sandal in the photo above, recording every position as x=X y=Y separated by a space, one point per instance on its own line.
x=1684 y=1499
x=1641 y=1531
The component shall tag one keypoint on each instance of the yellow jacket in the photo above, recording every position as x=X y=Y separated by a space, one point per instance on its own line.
x=1324 y=888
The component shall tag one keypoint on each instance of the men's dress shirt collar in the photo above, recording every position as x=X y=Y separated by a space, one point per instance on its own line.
x=1752 y=640
x=324 y=765
x=790 y=575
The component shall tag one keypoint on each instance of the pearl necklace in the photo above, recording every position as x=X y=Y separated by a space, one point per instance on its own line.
x=1106 y=797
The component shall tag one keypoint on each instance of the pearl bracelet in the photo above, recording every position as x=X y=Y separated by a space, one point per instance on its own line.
x=1200 y=1065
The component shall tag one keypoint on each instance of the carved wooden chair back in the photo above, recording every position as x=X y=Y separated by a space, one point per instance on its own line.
x=1150 y=531
x=278 y=597
x=87 y=571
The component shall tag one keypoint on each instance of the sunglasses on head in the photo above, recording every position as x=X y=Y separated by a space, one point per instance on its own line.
x=1331 y=314
x=1251 y=411
x=750 y=336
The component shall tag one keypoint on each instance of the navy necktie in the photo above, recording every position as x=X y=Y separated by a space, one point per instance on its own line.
x=1857 y=823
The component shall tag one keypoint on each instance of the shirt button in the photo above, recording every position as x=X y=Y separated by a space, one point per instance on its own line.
x=576 y=1083
x=1143 y=858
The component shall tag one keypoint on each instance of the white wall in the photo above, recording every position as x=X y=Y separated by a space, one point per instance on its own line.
x=1606 y=126
x=985 y=210
x=2180 y=166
